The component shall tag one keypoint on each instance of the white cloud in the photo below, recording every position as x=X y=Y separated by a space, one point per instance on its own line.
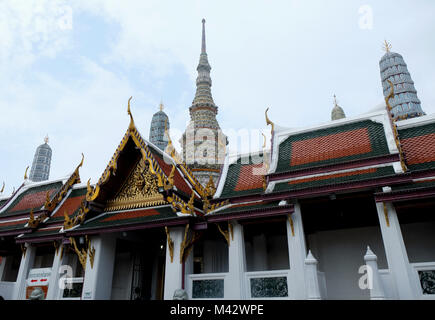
x=291 y=56
x=31 y=28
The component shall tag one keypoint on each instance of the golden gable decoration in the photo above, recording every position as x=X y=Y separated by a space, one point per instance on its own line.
x=139 y=190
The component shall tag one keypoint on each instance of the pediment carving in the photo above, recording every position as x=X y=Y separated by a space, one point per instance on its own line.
x=140 y=189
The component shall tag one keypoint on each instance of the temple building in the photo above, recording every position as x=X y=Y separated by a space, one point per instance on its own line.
x=40 y=170
x=340 y=210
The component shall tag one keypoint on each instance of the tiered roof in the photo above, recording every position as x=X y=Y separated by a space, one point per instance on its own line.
x=243 y=177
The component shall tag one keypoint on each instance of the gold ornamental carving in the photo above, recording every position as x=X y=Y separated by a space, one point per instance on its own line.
x=227 y=233
x=170 y=244
x=387 y=219
x=139 y=190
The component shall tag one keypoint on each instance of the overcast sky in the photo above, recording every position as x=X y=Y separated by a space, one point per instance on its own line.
x=67 y=68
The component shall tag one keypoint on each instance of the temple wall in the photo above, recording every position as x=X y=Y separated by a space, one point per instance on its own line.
x=340 y=254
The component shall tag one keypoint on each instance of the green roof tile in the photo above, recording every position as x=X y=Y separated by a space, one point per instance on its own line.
x=376 y=146
x=324 y=181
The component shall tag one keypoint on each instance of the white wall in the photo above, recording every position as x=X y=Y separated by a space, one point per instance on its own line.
x=340 y=253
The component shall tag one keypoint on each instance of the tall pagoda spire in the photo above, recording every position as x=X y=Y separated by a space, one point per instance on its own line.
x=203 y=142
x=405 y=103
x=203 y=95
x=337 y=112
x=203 y=49
x=159 y=122
x=40 y=170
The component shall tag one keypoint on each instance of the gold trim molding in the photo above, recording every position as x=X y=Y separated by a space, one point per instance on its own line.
x=170 y=244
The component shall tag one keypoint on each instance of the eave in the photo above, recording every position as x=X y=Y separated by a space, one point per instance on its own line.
x=129 y=227
x=390 y=158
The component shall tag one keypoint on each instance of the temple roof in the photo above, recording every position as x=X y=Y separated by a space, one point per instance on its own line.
x=130 y=219
x=31 y=196
x=242 y=177
x=332 y=145
x=418 y=143
x=335 y=179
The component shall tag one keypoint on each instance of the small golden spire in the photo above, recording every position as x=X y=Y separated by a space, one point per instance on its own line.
x=81 y=163
x=129 y=113
x=3 y=188
x=387 y=46
x=161 y=106
x=335 y=100
x=25 y=173
x=268 y=121
x=264 y=140
x=46 y=139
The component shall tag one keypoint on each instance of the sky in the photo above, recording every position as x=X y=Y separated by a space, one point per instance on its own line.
x=67 y=69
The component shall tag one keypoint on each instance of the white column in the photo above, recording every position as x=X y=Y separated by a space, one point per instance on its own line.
x=53 y=288
x=235 y=284
x=97 y=284
x=313 y=289
x=395 y=251
x=25 y=265
x=297 y=253
x=173 y=269
x=377 y=289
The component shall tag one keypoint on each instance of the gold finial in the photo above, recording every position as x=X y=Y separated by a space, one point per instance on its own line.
x=3 y=188
x=387 y=46
x=335 y=100
x=81 y=163
x=269 y=122
x=25 y=173
x=161 y=106
x=129 y=112
x=46 y=139
x=264 y=140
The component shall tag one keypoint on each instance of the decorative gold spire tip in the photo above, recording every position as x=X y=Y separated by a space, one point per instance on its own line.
x=268 y=122
x=3 y=188
x=129 y=111
x=25 y=173
x=81 y=163
x=161 y=106
x=387 y=46
x=46 y=139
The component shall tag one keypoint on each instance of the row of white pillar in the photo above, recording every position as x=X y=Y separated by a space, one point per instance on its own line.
x=303 y=274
